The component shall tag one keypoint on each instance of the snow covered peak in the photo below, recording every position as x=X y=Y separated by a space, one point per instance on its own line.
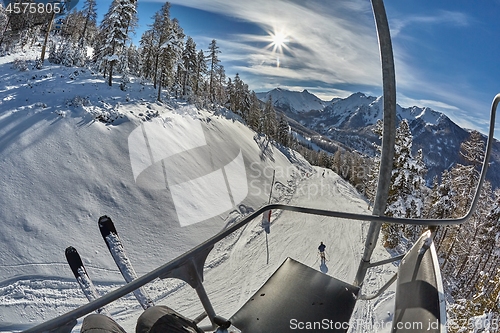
x=358 y=95
x=357 y=110
x=293 y=101
x=425 y=114
x=430 y=116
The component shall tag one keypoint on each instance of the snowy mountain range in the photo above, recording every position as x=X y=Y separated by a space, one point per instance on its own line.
x=349 y=121
x=294 y=101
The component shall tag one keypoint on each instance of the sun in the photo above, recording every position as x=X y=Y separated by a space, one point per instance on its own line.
x=278 y=40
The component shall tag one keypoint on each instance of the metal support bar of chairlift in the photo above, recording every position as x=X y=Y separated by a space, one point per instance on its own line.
x=423 y=249
x=387 y=155
x=205 y=301
x=198 y=319
x=191 y=272
x=386 y=261
x=380 y=291
x=385 y=286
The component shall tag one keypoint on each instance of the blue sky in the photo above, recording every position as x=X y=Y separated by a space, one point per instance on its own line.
x=445 y=53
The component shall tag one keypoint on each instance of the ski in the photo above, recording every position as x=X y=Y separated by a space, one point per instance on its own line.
x=81 y=276
x=117 y=250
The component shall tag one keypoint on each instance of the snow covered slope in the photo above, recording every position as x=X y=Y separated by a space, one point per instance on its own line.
x=62 y=168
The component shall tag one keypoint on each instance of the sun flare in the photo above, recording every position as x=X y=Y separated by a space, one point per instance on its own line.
x=278 y=40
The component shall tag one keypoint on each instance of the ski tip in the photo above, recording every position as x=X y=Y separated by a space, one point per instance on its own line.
x=74 y=259
x=104 y=219
x=70 y=250
x=106 y=226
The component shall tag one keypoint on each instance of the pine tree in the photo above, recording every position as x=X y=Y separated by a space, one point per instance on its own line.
x=337 y=161
x=269 y=119
x=484 y=306
x=90 y=15
x=221 y=96
x=255 y=113
x=441 y=205
x=118 y=22
x=157 y=37
x=72 y=25
x=175 y=49
x=147 y=54
x=3 y=20
x=481 y=239
x=374 y=169
x=134 y=60
x=283 y=135
x=167 y=38
x=213 y=60
x=323 y=158
x=67 y=53
x=54 y=54
x=190 y=62
x=466 y=249
x=358 y=176
x=472 y=231
x=201 y=69
x=464 y=179
x=406 y=198
x=79 y=56
x=236 y=95
x=490 y=238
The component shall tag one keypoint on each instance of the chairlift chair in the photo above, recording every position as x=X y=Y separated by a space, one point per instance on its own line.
x=296 y=293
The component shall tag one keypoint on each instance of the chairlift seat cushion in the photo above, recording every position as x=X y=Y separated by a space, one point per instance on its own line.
x=420 y=303
x=297 y=297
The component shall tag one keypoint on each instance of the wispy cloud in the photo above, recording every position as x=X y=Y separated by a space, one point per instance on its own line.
x=333 y=42
x=443 y=17
x=332 y=47
x=442 y=90
x=464 y=110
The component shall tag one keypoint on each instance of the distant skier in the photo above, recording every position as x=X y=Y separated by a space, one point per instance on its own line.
x=323 y=174
x=321 y=249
